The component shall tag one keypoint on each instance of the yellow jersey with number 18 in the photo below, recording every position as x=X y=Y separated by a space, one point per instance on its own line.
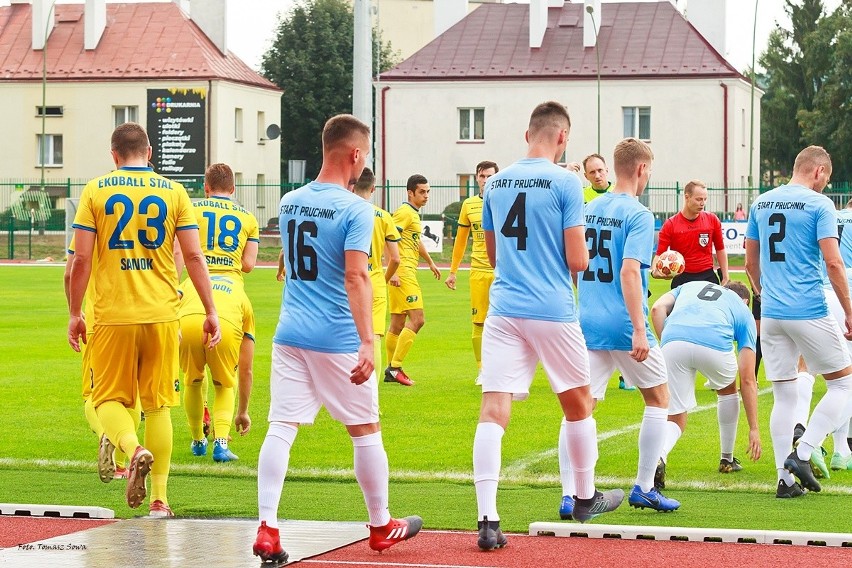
x=224 y=229
x=407 y=221
x=134 y=214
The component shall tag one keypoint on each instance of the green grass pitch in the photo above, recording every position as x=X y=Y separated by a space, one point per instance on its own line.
x=48 y=454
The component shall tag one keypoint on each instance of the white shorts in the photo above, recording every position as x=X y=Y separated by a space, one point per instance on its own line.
x=836 y=310
x=683 y=360
x=647 y=374
x=819 y=341
x=511 y=348
x=302 y=381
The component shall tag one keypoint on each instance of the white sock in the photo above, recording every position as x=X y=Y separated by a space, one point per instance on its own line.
x=728 y=414
x=272 y=469
x=827 y=415
x=582 y=448
x=651 y=438
x=781 y=421
x=673 y=433
x=487 y=456
x=371 y=471
x=805 y=390
x=566 y=474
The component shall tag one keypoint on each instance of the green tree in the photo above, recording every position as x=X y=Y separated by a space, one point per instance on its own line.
x=311 y=61
x=806 y=78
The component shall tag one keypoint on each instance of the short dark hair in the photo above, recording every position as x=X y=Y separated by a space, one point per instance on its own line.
x=590 y=156
x=740 y=289
x=130 y=140
x=414 y=181
x=366 y=181
x=486 y=165
x=340 y=128
x=219 y=177
x=550 y=114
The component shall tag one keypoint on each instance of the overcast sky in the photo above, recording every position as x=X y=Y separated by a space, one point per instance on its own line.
x=252 y=24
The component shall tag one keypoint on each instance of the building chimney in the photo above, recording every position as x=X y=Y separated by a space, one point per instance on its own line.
x=591 y=22
x=94 y=16
x=712 y=19
x=43 y=20
x=448 y=13
x=210 y=16
x=538 y=19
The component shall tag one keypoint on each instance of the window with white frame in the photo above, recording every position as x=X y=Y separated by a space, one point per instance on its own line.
x=471 y=124
x=261 y=127
x=49 y=150
x=122 y=114
x=637 y=122
x=238 y=124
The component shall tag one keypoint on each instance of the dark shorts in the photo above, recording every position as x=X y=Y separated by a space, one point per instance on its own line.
x=707 y=276
x=755 y=307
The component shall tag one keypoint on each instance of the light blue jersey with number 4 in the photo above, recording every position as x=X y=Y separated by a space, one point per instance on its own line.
x=789 y=221
x=528 y=206
x=319 y=223
x=618 y=227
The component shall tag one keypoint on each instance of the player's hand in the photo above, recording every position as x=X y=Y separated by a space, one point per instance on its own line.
x=640 y=346
x=281 y=275
x=573 y=166
x=754 y=449
x=243 y=423
x=724 y=282
x=212 y=331
x=394 y=281
x=659 y=275
x=363 y=370
x=435 y=271
x=76 y=332
x=451 y=281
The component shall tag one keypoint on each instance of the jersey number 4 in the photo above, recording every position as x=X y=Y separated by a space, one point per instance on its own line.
x=515 y=225
x=302 y=256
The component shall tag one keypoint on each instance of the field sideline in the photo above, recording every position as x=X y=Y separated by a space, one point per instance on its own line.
x=47 y=454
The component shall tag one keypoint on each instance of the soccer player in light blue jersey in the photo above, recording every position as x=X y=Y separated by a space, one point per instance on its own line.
x=322 y=352
x=698 y=323
x=533 y=221
x=844 y=218
x=614 y=310
x=788 y=228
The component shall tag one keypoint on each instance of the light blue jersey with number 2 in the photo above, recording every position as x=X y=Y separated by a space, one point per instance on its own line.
x=618 y=227
x=528 y=206
x=319 y=223
x=789 y=221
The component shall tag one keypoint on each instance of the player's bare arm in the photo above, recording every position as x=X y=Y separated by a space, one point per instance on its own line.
x=459 y=247
x=359 y=291
x=424 y=254
x=837 y=275
x=752 y=264
x=249 y=258
x=392 y=254
x=177 y=253
x=722 y=259
x=631 y=288
x=81 y=271
x=576 y=251
x=491 y=248
x=748 y=390
x=282 y=270
x=196 y=266
x=242 y=420
x=660 y=311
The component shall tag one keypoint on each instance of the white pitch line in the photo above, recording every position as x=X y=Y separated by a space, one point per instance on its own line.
x=406 y=564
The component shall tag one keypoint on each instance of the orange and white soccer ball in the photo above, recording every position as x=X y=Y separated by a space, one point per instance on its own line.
x=670 y=263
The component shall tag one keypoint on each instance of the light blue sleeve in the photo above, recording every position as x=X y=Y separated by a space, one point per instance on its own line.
x=572 y=212
x=751 y=225
x=487 y=221
x=360 y=231
x=640 y=238
x=826 y=220
x=745 y=330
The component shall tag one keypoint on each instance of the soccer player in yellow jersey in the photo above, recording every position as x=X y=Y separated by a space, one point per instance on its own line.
x=406 y=298
x=129 y=219
x=111 y=461
x=385 y=240
x=481 y=272
x=232 y=356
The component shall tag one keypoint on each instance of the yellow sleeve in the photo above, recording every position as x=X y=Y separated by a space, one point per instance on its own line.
x=248 y=317
x=253 y=231
x=85 y=217
x=391 y=233
x=185 y=214
x=459 y=246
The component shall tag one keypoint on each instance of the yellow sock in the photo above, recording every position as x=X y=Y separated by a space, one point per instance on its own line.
x=193 y=404
x=223 y=410
x=391 y=339
x=403 y=346
x=136 y=415
x=158 y=440
x=204 y=391
x=377 y=352
x=92 y=418
x=118 y=426
x=477 y=344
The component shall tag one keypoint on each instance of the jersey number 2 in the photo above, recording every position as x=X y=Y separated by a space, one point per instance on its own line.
x=302 y=256
x=780 y=220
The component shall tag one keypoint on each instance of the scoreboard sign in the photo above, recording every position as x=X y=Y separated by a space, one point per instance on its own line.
x=177 y=129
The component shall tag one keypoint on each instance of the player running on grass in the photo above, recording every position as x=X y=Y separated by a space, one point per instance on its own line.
x=533 y=221
x=322 y=353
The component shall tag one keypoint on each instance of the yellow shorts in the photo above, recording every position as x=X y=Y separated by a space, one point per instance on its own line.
x=380 y=307
x=135 y=361
x=480 y=284
x=408 y=295
x=87 y=374
x=222 y=359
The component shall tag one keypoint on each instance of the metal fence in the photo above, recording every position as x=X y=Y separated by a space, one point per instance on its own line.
x=35 y=222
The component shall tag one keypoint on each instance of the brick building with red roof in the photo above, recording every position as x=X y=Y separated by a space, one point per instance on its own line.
x=150 y=63
x=467 y=95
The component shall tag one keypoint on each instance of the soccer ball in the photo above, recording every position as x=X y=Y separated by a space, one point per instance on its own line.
x=670 y=264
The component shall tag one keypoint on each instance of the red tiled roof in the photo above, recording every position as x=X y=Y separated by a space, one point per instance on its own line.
x=141 y=41
x=637 y=39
